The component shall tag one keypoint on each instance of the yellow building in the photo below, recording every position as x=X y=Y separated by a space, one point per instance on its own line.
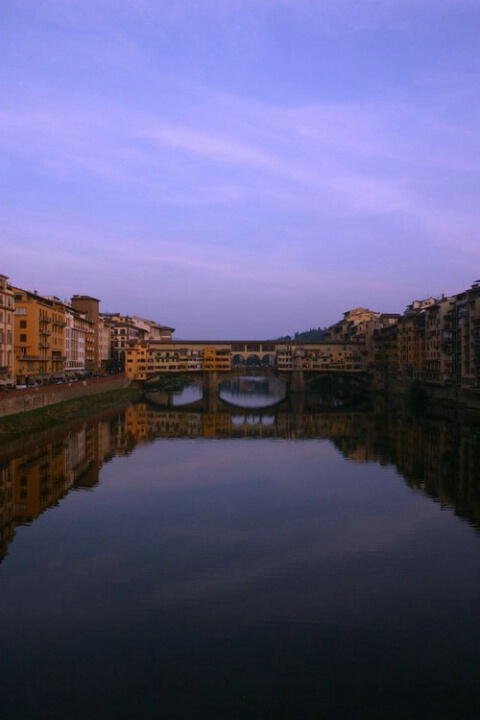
x=216 y=359
x=136 y=360
x=39 y=337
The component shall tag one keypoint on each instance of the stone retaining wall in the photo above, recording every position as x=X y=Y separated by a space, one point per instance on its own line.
x=456 y=396
x=13 y=402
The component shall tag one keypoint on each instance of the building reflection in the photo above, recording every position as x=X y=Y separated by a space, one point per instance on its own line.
x=440 y=458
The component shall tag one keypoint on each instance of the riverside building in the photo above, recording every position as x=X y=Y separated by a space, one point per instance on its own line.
x=39 y=337
x=7 y=372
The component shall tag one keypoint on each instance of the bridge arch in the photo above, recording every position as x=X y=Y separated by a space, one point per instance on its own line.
x=268 y=360
x=253 y=360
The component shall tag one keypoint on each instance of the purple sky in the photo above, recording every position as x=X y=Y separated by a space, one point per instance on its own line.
x=240 y=168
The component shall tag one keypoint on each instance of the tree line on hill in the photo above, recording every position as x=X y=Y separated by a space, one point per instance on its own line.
x=312 y=335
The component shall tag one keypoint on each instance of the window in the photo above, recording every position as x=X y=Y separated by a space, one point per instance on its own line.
x=23 y=337
x=23 y=323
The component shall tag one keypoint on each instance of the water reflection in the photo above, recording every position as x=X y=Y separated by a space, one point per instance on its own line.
x=441 y=458
x=220 y=571
x=190 y=394
x=253 y=391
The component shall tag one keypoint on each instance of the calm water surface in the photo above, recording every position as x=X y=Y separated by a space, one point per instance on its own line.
x=176 y=563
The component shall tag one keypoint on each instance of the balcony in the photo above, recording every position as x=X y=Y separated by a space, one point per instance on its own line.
x=44 y=345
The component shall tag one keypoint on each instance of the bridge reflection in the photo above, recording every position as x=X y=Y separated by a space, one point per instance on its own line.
x=259 y=391
x=251 y=391
x=440 y=458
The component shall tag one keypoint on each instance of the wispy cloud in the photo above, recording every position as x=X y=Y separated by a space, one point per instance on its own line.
x=362 y=157
x=238 y=143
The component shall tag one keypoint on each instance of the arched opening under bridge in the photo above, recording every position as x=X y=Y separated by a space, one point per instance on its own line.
x=252 y=391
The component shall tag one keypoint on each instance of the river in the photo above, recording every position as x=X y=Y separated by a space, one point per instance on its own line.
x=304 y=559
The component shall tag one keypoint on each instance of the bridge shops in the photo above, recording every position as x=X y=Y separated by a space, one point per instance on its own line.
x=145 y=360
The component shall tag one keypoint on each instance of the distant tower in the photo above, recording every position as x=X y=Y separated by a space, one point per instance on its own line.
x=91 y=307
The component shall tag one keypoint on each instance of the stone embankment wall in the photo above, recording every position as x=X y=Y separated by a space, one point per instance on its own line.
x=13 y=402
x=454 y=396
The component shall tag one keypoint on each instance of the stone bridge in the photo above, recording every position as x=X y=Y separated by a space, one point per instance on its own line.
x=295 y=380
x=298 y=364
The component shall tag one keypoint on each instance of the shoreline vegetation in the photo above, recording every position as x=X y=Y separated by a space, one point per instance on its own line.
x=63 y=412
x=167 y=383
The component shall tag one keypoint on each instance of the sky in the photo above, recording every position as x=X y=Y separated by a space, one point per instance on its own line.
x=240 y=168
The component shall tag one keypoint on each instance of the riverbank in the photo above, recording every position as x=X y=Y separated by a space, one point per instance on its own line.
x=28 y=410
x=429 y=394
x=35 y=398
